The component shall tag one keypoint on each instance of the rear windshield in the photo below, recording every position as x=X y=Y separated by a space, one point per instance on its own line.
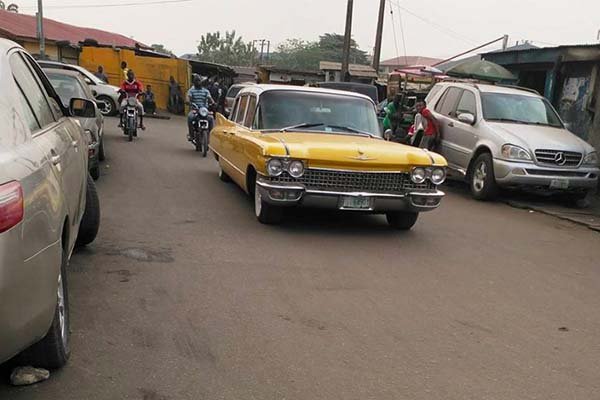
x=233 y=91
x=286 y=108
x=67 y=87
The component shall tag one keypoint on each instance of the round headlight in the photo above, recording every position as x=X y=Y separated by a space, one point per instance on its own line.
x=418 y=175
x=296 y=169
x=438 y=176
x=275 y=167
x=204 y=112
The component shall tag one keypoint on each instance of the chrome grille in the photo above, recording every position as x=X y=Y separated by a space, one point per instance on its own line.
x=351 y=181
x=559 y=157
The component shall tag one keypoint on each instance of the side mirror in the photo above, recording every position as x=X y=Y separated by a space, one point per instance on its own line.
x=568 y=126
x=387 y=135
x=82 y=108
x=466 y=118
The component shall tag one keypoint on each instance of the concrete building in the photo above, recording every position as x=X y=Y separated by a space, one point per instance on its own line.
x=568 y=76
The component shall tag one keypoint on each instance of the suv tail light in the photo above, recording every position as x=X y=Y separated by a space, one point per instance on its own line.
x=11 y=205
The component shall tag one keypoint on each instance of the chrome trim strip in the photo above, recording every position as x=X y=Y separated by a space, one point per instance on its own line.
x=227 y=161
x=358 y=171
x=356 y=194
x=282 y=187
x=285 y=146
x=438 y=193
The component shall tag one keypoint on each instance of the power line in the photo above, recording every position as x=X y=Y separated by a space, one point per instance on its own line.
x=441 y=28
x=394 y=30
x=403 y=38
x=145 y=3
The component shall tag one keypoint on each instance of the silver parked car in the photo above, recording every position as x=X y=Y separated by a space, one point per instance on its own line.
x=48 y=205
x=69 y=85
x=105 y=93
x=497 y=136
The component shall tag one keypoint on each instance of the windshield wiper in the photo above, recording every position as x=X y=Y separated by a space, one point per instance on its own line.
x=506 y=120
x=304 y=125
x=352 y=130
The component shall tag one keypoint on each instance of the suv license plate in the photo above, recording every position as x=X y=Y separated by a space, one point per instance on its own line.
x=355 y=203
x=559 y=184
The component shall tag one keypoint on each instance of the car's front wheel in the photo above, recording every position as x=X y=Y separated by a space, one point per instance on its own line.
x=402 y=220
x=110 y=108
x=482 y=180
x=53 y=350
x=266 y=213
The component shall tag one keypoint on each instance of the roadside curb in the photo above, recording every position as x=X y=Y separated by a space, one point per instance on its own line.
x=588 y=218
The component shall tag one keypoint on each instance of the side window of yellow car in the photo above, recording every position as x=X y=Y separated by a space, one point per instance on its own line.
x=251 y=111
x=241 y=114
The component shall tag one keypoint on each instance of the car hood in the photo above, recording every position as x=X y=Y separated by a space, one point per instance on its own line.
x=534 y=137
x=327 y=150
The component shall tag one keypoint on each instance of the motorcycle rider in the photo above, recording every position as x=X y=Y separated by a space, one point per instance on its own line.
x=199 y=95
x=131 y=88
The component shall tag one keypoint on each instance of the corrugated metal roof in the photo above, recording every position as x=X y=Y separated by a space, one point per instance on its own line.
x=22 y=26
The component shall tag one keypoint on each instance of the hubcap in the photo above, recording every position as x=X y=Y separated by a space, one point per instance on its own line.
x=107 y=108
x=62 y=311
x=479 y=177
x=257 y=202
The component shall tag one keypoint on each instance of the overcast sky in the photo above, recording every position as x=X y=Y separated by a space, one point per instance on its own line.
x=437 y=28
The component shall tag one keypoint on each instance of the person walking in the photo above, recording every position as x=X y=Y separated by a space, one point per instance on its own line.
x=431 y=134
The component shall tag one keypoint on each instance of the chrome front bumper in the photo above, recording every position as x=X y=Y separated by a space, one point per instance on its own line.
x=520 y=174
x=380 y=203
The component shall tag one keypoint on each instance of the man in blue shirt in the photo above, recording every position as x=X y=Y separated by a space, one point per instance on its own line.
x=200 y=96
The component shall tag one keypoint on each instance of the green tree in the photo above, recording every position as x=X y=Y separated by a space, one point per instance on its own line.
x=301 y=54
x=228 y=49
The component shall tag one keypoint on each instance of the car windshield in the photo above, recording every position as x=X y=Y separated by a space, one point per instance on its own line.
x=321 y=111
x=67 y=87
x=520 y=109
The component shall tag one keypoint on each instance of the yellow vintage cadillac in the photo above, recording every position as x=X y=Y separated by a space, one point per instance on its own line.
x=310 y=147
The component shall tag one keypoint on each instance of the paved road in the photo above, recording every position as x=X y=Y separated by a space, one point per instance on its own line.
x=186 y=296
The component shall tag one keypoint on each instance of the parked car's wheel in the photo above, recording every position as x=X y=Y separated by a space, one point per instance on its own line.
x=90 y=223
x=266 y=213
x=575 y=199
x=95 y=172
x=223 y=175
x=482 y=180
x=402 y=220
x=101 y=154
x=53 y=350
x=110 y=108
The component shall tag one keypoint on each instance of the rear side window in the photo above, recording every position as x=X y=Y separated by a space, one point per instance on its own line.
x=34 y=94
x=28 y=117
x=432 y=93
x=467 y=104
x=242 y=110
x=251 y=112
x=233 y=91
x=447 y=104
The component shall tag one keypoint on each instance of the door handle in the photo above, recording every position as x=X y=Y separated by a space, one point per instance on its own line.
x=75 y=144
x=451 y=124
x=230 y=132
x=55 y=159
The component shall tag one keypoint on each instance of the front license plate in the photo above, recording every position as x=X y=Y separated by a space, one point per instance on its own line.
x=355 y=203
x=559 y=184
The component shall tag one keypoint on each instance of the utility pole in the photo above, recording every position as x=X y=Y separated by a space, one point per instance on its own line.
x=347 y=43
x=40 y=29
x=379 y=37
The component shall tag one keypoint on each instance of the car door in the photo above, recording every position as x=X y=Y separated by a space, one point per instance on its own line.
x=236 y=137
x=445 y=112
x=464 y=134
x=59 y=137
x=244 y=132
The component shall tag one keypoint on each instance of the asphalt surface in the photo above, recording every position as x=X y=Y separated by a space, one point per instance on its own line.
x=186 y=296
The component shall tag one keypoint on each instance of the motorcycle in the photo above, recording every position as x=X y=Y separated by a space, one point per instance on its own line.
x=201 y=126
x=130 y=118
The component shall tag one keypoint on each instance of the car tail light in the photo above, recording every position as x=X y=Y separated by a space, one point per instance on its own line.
x=11 y=205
